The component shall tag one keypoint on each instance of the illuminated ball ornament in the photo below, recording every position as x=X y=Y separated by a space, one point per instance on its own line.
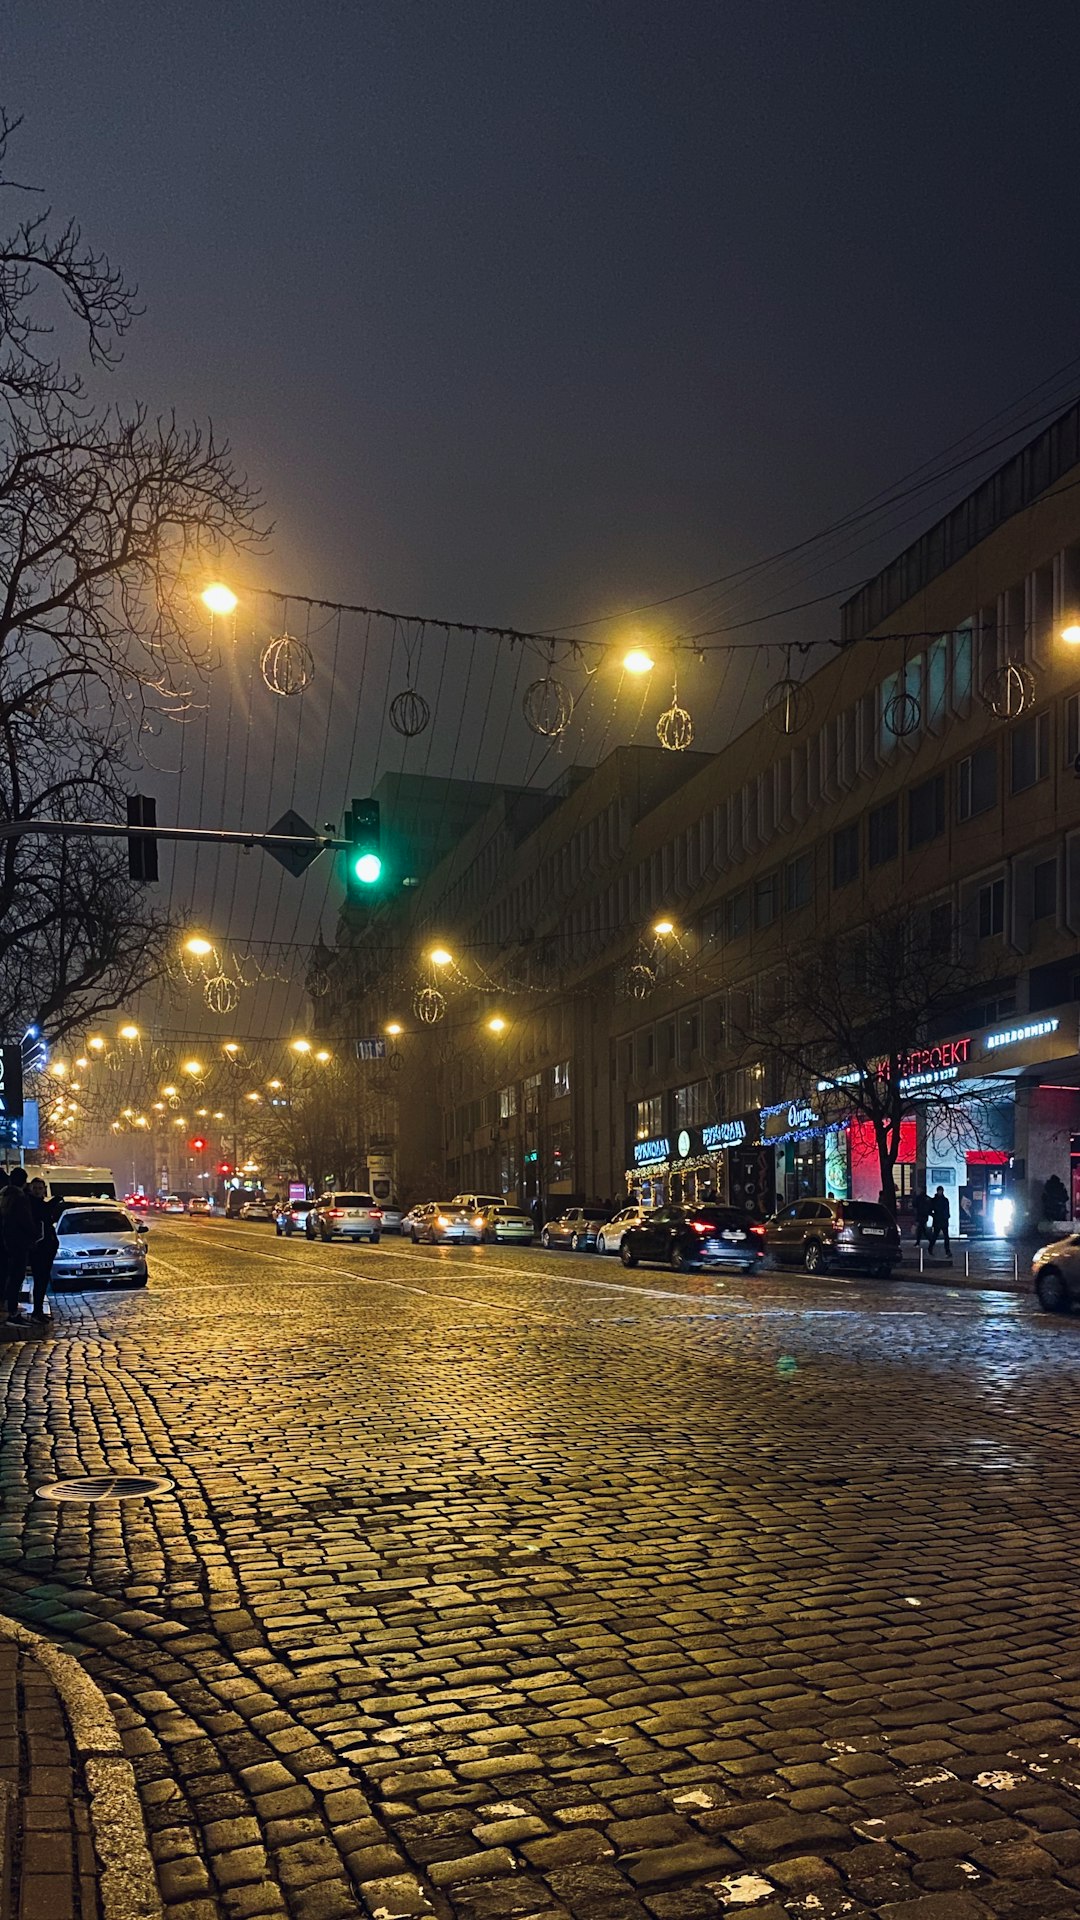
x=1008 y=691
x=287 y=665
x=548 y=707
x=675 y=729
x=429 y=1005
x=788 y=706
x=640 y=981
x=221 y=994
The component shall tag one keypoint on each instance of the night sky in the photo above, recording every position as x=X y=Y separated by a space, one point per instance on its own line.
x=530 y=312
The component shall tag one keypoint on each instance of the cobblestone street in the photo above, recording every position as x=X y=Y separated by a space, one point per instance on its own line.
x=497 y=1583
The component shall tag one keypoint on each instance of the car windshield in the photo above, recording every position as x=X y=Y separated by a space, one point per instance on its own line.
x=595 y=1213
x=95 y=1220
x=861 y=1212
x=353 y=1200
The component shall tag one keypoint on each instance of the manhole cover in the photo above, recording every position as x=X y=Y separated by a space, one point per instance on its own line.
x=106 y=1486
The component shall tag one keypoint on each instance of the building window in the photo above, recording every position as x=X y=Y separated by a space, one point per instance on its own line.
x=976 y=783
x=560 y=1154
x=1029 y=749
x=693 y=1104
x=689 y=1034
x=939 y=927
x=926 y=811
x=766 y=899
x=1072 y=729
x=845 y=855
x=507 y=1102
x=737 y=913
x=798 y=883
x=560 y=1080
x=649 y=1117
x=884 y=837
x=531 y=1093
x=1044 y=890
x=990 y=902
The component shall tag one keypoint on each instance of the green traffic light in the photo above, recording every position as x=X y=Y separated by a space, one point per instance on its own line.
x=368 y=868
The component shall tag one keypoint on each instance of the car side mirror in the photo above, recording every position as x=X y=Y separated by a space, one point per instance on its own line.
x=141 y=1226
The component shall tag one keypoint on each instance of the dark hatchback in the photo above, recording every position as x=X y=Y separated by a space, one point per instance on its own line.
x=686 y=1237
x=819 y=1234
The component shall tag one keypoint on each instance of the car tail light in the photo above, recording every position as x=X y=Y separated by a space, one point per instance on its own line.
x=375 y=1212
x=699 y=1226
x=335 y=1213
x=757 y=1226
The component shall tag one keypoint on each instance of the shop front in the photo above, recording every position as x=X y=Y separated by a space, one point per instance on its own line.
x=726 y=1161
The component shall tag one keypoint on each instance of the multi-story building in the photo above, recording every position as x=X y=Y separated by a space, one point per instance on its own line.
x=933 y=758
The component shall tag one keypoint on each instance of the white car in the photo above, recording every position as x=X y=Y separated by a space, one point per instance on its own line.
x=100 y=1244
x=354 y=1216
x=445 y=1223
x=172 y=1203
x=609 y=1238
x=391 y=1215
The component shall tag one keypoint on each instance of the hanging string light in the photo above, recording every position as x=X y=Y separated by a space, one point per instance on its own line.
x=675 y=729
x=429 y=1005
x=409 y=712
x=1008 y=690
x=222 y=995
x=287 y=664
x=788 y=702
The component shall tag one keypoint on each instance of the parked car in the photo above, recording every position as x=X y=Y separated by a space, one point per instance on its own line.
x=507 y=1225
x=1055 y=1272
x=692 y=1236
x=819 y=1234
x=100 y=1243
x=352 y=1215
x=609 y=1238
x=391 y=1215
x=478 y=1202
x=172 y=1203
x=255 y=1210
x=446 y=1223
x=412 y=1221
x=576 y=1228
x=292 y=1217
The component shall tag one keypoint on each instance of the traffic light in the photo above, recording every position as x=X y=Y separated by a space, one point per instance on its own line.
x=51 y=1146
x=363 y=861
x=198 y=1144
x=224 y=1168
x=142 y=848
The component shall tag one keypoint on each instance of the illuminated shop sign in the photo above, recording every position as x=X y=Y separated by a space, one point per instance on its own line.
x=922 y=1067
x=647 y=1150
x=936 y=1077
x=788 y=1120
x=727 y=1133
x=1012 y=1036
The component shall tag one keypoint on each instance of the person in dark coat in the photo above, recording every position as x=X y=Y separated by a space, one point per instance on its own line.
x=922 y=1207
x=939 y=1221
x=18 y=1231
x=46 y=1246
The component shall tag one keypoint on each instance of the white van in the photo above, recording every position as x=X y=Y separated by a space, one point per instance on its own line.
x=74 y=1183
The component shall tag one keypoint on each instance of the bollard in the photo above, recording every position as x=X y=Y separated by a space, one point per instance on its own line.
x=921 y=1262
x=967 y=1263
x=1016 y=1268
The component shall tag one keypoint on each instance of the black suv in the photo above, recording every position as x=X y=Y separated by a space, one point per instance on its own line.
x=819 y=1234
x=689 y=1236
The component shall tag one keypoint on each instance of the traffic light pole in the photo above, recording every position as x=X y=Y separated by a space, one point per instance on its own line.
x=314 y=843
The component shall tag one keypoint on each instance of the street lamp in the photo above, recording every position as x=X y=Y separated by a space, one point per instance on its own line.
x=440 y=958
x=664 y=926
x=231 y=1048
x=198 y=946
x=219 y=598
x=96 y=1043
x=170 y=1092
x=496 y=1024
x=322 y=1055
x=1071 y=634
x=393 y=1028
x=637 y=660
x=194 y=1067
x=129 y=1032
x=301 y=1046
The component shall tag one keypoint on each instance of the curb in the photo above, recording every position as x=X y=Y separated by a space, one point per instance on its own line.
x=127 y=1881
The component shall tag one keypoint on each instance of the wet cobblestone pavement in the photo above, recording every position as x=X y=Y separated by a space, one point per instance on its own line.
x=492 y=1583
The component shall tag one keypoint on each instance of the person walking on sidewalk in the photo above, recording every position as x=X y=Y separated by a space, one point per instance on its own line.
x=922 y=1207
x=46 y=1246
x=18 y=1230
x=939 y=1221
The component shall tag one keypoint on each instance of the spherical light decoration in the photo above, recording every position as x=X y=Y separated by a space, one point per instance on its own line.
x=409 y=713
x=429 y=1005
x=395 y=1061
x=1008 y=691
x=221 y=994
x=902 y=715
x=287 y=665
x=788 y=705
x=675 y=729
x=548 y=707
x=640 y=982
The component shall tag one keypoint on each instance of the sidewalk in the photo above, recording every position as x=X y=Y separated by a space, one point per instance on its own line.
x=72 y=1846
x=1004 y=1265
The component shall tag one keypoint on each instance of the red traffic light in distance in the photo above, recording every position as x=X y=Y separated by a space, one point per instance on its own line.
x=50 y=1146
x=224 y=1167
x=197 y=1144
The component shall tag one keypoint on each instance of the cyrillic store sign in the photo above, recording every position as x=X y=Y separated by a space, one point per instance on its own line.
x=790 y=1119
x=1012 y=1036
x=649 y=1150
x=726 y=1133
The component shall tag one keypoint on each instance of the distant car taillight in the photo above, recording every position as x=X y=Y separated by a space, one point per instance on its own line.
x=699 y=1226
x=375 y=1212
x=757 y=1226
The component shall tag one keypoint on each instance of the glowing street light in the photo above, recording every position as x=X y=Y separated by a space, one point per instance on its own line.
x=231 y=1049
x=129 y=1032
x=255 y=1098
x=198 y=946
x=301 y=1046
x=219 y=598
x=322 y=1055
x=82 y=1062
x=58 y=1069
x=496 y=1024
x=170 y=1092
x=1071 y=634
x=393 y=1028
x=275 y=1086
x=637 y=660
x=96 y=1044
x=440 y=958
x=194 y=1067
x=664 y=926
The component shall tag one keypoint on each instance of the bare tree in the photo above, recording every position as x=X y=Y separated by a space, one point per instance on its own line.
x=106 y=517
x=843 y=1025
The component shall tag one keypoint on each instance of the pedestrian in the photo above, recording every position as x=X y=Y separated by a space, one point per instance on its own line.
x=537 y=1211
x=46 y=1246
x=923 y=1207
x=18 y=1231
x=939 y=1221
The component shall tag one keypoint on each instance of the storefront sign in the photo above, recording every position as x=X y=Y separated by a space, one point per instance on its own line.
x=948 y=1053
x=726 y=1133
x=648 y=1150
x=913 y=1081
x=788 y=1120
x=1012 y=1036
x=683 y=1144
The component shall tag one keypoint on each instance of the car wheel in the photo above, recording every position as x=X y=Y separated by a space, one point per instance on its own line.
x=814 y=1257
x=1053 y=1294
x=627 y=1255
x=545 y=1238
x=677 y=1260
x=575 y=1243
x=309 y=1233
x=601 y=1243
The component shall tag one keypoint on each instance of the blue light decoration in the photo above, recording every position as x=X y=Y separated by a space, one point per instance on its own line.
x=35 y=1051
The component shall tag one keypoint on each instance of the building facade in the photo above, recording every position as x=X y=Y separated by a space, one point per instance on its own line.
x=932 y=759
